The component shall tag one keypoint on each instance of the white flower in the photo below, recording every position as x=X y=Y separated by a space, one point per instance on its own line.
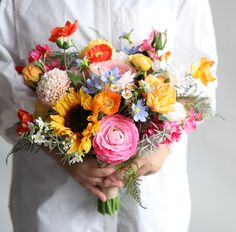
x=159 y=66
x=115 y=88
x=126 y=78
x=76 y=159
x=178 y=114
x=120 y=56
x=38 y=138
x=126 y=94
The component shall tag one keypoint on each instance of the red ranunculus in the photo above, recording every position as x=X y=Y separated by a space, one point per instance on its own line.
x=99 y=53
x=65 y=31
x=24 y=117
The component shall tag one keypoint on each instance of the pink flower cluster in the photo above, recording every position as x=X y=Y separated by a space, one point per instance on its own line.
x=146 y=45
x=44 y=51
x=38 y=52
x=117 y=139
x=190 y=123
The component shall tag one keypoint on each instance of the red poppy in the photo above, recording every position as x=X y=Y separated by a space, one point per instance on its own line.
x=99 y=53
x=24 y=117
x=65 y=31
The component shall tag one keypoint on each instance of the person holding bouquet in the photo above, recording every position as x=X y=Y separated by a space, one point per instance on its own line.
x=49 y=196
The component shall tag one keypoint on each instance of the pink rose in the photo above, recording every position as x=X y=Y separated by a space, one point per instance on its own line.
x=117 y=139
x=126 y=71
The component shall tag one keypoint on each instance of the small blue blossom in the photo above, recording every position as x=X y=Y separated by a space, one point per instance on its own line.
x=140 y=111
x=131 y=51
x=111 y=76
x=93 y=84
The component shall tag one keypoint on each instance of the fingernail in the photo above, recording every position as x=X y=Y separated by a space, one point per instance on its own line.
x=103 y=198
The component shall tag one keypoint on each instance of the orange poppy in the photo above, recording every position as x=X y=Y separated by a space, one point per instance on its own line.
x=99 y=53
x=65 y=31
x=107 y=102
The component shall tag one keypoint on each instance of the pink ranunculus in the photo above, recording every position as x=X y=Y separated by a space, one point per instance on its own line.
x=117 y=139
x=38 y=52
x=126 y=71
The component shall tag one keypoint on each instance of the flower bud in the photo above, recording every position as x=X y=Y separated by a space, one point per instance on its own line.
x=141 y=62
x=64 y=42
x=159 y=40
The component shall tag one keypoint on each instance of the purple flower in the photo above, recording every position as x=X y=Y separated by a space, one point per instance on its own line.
x=140 y=111
x=93 y=84
x=132 y=50
x=111 y=76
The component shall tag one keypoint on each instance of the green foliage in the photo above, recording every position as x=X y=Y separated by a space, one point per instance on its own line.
x=75 y=78
x=22 y=144
x=132 y=184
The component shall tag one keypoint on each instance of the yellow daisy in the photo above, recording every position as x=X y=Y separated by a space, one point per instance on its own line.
x=76 y=120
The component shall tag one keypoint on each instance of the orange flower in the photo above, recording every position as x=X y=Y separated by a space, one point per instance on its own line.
x=107 y=102
x=24 y=117
x=202 y=70
x=65 y=31
x=99 y=53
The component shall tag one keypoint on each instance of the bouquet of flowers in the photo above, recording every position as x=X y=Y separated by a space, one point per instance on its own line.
x=114 y=105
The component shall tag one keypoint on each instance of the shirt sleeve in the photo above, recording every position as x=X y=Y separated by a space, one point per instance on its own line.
x=13 y=93
x=195 y=38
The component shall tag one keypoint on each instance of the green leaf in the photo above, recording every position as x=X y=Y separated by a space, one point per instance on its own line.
x=75 y=78
x=162 y=117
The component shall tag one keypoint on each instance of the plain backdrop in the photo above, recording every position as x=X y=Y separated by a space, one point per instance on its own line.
x=212 y=155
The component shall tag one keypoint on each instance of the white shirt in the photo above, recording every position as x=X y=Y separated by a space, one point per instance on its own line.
x=43 y=197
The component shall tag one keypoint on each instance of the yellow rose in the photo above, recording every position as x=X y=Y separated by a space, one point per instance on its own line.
x=141 y=62
x=93 y=43
x=162 y=98
x=202 y=70
x=31 y=75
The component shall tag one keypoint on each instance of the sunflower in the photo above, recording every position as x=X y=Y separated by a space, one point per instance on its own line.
x=76 y=120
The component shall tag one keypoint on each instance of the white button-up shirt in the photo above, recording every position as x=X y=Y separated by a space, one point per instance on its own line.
x=43 y=197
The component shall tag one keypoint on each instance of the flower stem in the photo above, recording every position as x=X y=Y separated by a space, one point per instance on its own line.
x=65 y=61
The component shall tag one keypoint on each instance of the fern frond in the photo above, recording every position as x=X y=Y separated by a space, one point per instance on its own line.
x=22 y=144
x=132 y=184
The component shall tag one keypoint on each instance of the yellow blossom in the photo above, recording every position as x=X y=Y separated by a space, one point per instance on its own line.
x=141 y=62
x=31 y=75
x=162 y=98
x=202 y=70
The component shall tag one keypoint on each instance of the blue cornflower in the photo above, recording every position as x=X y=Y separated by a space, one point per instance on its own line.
x=93 y=84
x=132 y=50
x=140 y=111
x=111 y=76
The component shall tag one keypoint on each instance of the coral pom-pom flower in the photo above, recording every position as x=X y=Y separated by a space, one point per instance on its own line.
x=65 y=31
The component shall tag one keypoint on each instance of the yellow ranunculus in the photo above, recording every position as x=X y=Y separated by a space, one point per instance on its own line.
x=202 y=70
x=162 y=98
x=31 y=75
x=141 y=62
x=93 y=43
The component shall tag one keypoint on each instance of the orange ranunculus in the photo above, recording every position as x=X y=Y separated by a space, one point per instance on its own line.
x=65 y=31
x=24 y=117
x=107 y=102
x=31 y=75
x=202 y=70
x=162 y=98
x=99 y=53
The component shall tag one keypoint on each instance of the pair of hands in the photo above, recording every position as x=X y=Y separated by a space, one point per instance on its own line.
x=90 y=176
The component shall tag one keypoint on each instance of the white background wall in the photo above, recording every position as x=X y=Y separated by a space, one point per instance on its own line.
x=212 y=155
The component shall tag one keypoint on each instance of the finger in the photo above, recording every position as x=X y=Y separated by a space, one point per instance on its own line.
x=142 y=171
x=111 y=182
x=100 y=172
x=92 y=180
x=96 y=191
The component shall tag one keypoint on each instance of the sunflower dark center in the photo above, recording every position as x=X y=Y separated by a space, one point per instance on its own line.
x=76 y=119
